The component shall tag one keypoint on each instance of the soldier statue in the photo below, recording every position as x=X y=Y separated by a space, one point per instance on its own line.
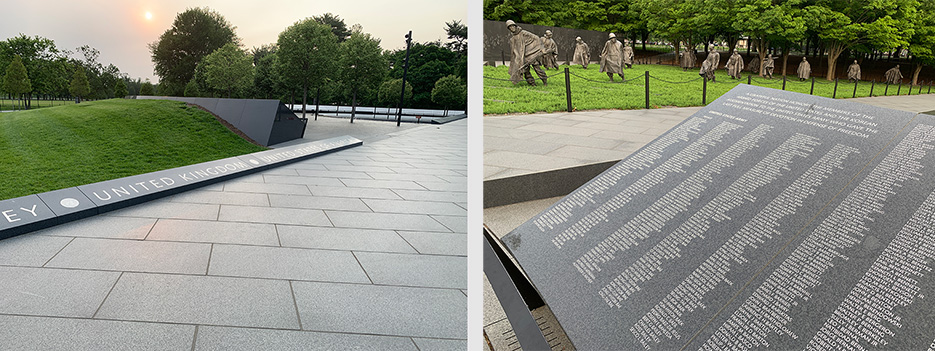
x=805 y=69
x=768 y=65
x=734 y=65
x=853 y=72
x=893 y=75
x=627 y=54
x=582 y=53
x=612 y=58
x=526 y=50
x=550 y=51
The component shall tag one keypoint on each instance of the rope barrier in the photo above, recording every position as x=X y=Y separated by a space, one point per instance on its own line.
x=602 y=81
x=663 y=80
x=500 y=79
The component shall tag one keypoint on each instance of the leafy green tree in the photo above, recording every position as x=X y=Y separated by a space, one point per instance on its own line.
x=191 y=89
x=120 y=91
x=388 y=94
x=842 y=24
x=763 y=21
x=266 y=82
x=427 y=63
x=79 y=84
x=338 y=27
x=147 y=89
x=457 y=34
x=362 y=65
x=307 y=56
x=450 y=92
x=194 y=34
x=922 y=44
x=228 y=69
x=15 y=81
x=44 y=63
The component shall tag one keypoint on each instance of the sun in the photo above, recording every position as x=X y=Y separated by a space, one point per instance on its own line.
x=149 y=15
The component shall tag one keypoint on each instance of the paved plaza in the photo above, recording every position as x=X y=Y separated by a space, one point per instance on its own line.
x=536 y=144
x=364 y=248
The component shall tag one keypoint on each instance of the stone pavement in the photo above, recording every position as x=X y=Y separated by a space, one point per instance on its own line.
x=527 y=145
x=364 y=248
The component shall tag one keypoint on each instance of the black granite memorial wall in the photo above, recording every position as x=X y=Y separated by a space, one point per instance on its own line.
x=268 y=122
x=767 y=219
x=34 y=212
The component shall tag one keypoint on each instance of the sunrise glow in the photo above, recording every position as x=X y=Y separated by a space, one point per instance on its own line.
x=149 y=15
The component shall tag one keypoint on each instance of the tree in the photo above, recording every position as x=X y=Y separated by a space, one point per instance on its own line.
x=266 y=81
x=338 y=27
x=229 y=68
x=191 y=89
x=458 y=33
x=306 y=55
x=450 y=91
x=194 y=34
x=388 y=94
x=79 y=84
x=763 y=21
x=147 y=89
x=362 y=66
x=43 y=61
x=922 y=44
x=120 y=91
x=16 y=81
x=841 y=24
x=427 y=63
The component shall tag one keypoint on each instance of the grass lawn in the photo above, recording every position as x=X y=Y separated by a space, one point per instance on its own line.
x=592 y=90
x=64 y=146
x=7 y=105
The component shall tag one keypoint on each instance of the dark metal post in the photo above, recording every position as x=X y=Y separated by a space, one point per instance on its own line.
x=812 y=92
x=568 y=89
x=930 y=87
x=402 y=95
x=910 y=89
x=647 y=89
x=354 y=106
x=317 y=102
x=784 y=82
x=920 y=89
x=704 y=92
x=502 y=57
x=899 y=88
x=748 y=79
x=834 y=95
x=855 y=89
x=872 y=81
x=887 y=90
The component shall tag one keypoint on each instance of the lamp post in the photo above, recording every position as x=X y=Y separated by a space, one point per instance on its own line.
x=402 y=95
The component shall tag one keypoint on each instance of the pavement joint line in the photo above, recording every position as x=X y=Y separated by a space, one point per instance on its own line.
x=243 y=277
x=294 y=225
x=407 y=242
x=414 y=343
x=195 y=338
x=328 y=218
x=295 y=304
x=152 y=227
x=362 y=267
x=256 y=245
x=57 y=252
x=106 y=296
x=210 y=254
x=278 y=238
x=225 y=326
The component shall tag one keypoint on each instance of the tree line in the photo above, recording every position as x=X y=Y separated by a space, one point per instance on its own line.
x=318 y=57
x=836 y=29
x=34 y=67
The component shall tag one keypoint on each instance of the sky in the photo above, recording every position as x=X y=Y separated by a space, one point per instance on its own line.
x=121 y=31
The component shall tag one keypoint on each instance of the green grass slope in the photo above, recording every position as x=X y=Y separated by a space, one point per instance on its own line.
x=65 y=146
x=668 y=86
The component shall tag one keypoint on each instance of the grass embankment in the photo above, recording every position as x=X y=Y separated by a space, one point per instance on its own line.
x=65 y=146
x=9 y=105
x=592 y=90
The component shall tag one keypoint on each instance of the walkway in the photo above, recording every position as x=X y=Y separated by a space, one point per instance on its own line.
x=361 y=249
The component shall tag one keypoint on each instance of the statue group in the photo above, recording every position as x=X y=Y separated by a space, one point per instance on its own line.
x=532 y=53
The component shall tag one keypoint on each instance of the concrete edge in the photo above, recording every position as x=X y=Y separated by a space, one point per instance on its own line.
x=541 y=185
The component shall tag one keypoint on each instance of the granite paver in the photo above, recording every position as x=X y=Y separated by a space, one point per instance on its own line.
x=271 y=260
